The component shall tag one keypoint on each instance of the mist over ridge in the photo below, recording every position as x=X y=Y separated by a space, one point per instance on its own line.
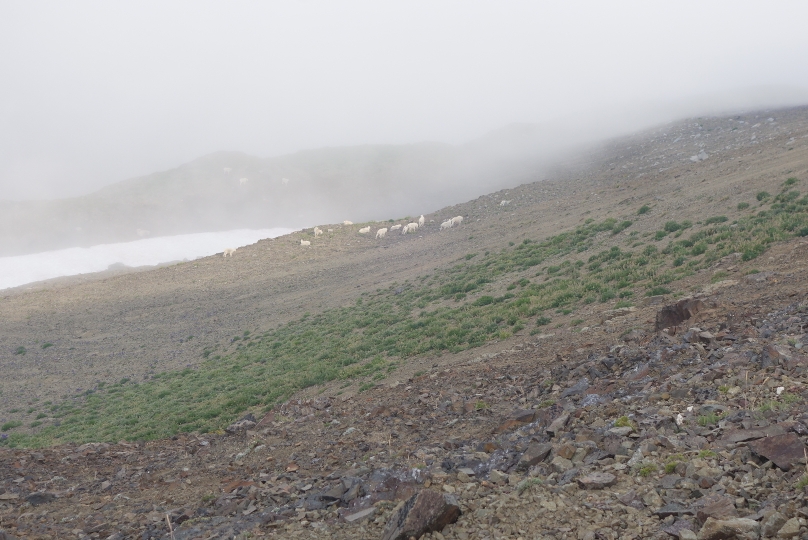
x=232 y=190
x=228 y=190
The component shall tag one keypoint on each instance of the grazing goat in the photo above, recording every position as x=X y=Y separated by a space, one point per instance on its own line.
x=317 y=232
x=421 y=221
x=446 y=224
x=505 y=203
x=305 y=243
x=395 y=227
x=229 y=251
x=346 y=222
x=381 y=233
x=457 y=220
x=364 y=230
x=410 y=227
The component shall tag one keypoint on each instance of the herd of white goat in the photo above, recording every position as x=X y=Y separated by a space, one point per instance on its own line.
x=409 y=228
x=380 y=233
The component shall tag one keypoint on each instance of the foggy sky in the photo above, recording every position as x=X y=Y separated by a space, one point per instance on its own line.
x=95 y=92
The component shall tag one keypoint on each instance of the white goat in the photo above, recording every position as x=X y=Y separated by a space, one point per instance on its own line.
x=505 y=203
x=395 y=227
x=142 y=232
x=346 y=222
x=410 y=227
x=381 y=233
x=457 y=220
x=421 y=221
x=330 y=230
x=285 y=181
x=317 y=232
x=227 y=170
x=229 y=251
x=364 y=230
x=305 y=243
x=242 y=181
x=446 y=224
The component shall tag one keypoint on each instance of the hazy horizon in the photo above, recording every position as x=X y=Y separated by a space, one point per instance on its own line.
x=95 y=93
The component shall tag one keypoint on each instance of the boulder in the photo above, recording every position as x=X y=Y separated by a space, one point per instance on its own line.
x=247 y=422
x=719 y=529
x=426 y=511
x=785 y=451
x=517 y=419
x=597 y=480
x=535 y=454
x=790 y=529
x=676 y=314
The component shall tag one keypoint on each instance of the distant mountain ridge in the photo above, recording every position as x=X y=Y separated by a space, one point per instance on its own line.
x=230 y=190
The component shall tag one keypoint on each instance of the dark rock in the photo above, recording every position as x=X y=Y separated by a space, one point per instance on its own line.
x=632 y=499
x=716 y=529
x=597 y=455
x=715 y=507
x=567 y=477
x=612 y=445
x=557 y=425
x=516 y=419
x=535 y=454
x=678 y=525
x=576 y=389
x=676 y=314
x=597 y=480
x=40 y=497
x=670 y=481
x=680 y=393
x=742 y=435
x=773 y=523
x=426 y=511
x=672 y=509
x=783 y=450
x=248 y=422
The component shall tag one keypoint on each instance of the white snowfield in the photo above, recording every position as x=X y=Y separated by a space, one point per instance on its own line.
x=22 y=269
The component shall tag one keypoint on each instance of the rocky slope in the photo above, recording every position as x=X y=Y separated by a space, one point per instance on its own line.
x=615 y=432
x=659 y=420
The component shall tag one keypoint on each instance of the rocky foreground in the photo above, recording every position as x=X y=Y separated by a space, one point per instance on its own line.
x=680 y=421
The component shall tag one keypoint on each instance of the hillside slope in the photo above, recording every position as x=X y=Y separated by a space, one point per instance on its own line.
x=415 y=350
x=136 y=325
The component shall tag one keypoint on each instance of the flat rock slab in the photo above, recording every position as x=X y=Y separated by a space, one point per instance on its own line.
x=597 y=480
x=677 y=526
x=785 y=451
x=717 y=529
x=516 y=419
x=40 y=497
x=670 y=481
x=426 y=511
x=743 y=435
x=535 y=453
x=715 y=507
x=367 y=512
x=621 y=431
x=558 y=424
x=672 y=509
